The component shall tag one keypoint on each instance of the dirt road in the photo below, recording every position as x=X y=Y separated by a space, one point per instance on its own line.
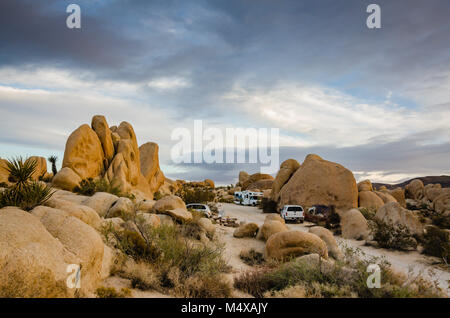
x=405 y=261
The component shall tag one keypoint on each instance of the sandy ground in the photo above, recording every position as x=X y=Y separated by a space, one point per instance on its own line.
x=403 y=261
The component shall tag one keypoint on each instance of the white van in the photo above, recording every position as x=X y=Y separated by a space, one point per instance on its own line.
x=293 y=212
x=251 y=198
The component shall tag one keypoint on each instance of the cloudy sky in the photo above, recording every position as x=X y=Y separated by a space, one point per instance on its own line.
x=376 y=101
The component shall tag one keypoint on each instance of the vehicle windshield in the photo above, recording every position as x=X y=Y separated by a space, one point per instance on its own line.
x=295 y=208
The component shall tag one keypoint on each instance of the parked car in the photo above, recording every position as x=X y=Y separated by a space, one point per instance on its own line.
x=293 y=212
x=202 y=208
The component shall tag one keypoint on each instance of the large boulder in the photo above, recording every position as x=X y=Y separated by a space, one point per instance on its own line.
x=81 y=212
x=321 y=182
x=169 y=202
x=399 y=195
x=261 y=185
x=148 y=220
x=41 y=167
x=33 y=263
x=178 y=214
x=4 y=174
x=243 y=176
x=101 y=128
x=385 y=196
x=274 y=217
x=326 y=236
x=441 y=203
x=393 y=213
x=246 y=230
x=287 y=169
x=66 y=179
x=270 y=228
x=123 y=207
x=365 y=185
x=369 y=199
x=78 y=238
x=414 y=190
x=207 y=226
x=432 y=191
x=101 y=202
x=150 y=165
x=254 y=178
x=209 y=183
x=354 y=225
x=145 y=206
x=84 y=153
x=283 y=245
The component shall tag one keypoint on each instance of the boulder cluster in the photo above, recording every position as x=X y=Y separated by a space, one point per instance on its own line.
x=111 y=153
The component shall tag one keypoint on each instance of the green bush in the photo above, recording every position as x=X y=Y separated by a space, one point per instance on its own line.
x=368 y=213
x=195 y=194
x=436 y=243
x=111 y=292
x=392 y=236
x=24 y=192
x=252 y=257
x=90 y=186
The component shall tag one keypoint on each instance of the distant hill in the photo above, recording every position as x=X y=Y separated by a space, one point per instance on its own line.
x=443 y=180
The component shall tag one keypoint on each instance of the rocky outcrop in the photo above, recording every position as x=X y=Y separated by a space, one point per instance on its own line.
x=41 y=167
x=33 y=263
x=365 y=185
x=354 y=225
x=100 y=126
x=251 y=181
x=84 y=153
x=326 y=236
x=321 y=182
x=385 y=196
x=66 y=179
x=393 y=213
x=284 y=245
x=414 y=190
x=270 y=228
x=123 y=207
x=243 y=176
x=369 y=199
x=441 y=203
x=287 y=169
x=399 y=195
x=150 y=165
x=78 y=238
x=112 y=154
x=169 y=202
x=101 y=202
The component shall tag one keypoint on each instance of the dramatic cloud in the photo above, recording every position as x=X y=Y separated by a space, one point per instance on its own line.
x=376 y=101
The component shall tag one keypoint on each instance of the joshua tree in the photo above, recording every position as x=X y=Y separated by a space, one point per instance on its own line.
x=52 y=160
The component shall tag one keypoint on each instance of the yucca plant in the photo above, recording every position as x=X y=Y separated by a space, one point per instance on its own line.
x=52 y=160
x=24 y=192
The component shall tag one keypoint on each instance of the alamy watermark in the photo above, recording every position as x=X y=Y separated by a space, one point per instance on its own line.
x=74 y=278
x=230 y=145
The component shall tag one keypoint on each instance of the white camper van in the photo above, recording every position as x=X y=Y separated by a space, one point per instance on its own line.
x=251 y=198
x=238 y=197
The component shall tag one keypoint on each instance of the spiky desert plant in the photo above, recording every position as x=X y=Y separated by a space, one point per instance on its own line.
x=52 y=160
x=20 y=171
x=24 y=193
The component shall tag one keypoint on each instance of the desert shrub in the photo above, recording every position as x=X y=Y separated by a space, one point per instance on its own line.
x=157 y=195
x=90 y=186
x=368 y=213
x=194 y=193
x=24 y=192
x=3 y=185
x=204 y=286
x=111 y=292
x=268 y=206
x=28 y=197
x=251 y=257
x=393 y=236
x=166 y=250
x=436 y=243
